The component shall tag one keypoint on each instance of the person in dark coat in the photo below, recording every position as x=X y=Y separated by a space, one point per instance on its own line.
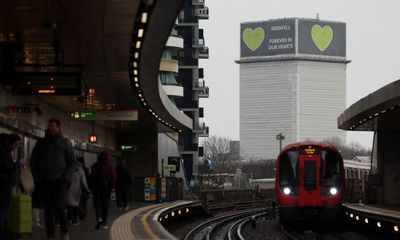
x=8 y=175
x=82 y=212
x=122 y=187
x=102 y=180
x=52 y=158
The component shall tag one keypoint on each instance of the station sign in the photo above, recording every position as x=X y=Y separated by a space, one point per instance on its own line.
x=171 y=168
x=129 y=147
x=150 y=189
x=163 y=189
x=82 y=115
x=120 y=115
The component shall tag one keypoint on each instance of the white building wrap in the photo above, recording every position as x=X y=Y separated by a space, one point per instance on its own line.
x=300 y=99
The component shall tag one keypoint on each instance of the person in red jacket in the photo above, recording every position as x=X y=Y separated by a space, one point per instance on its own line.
x=102 y=180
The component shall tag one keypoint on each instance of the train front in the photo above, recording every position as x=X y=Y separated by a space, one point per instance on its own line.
x=309 y=182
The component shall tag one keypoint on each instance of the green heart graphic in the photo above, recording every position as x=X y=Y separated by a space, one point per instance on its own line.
x=253 y=38
x=322 y=37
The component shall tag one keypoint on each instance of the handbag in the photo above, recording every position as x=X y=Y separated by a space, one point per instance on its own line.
x=26 y=179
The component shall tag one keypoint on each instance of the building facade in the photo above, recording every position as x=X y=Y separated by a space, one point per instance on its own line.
x=191 y=77
x=292 y=81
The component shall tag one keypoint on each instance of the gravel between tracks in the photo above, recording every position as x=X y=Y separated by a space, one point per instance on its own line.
x=271 y=230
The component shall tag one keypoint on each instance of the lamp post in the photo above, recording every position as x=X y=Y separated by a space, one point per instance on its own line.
x=280 y=137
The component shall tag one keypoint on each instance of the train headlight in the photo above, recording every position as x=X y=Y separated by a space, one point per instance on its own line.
x=286 y=191
x=333 y=191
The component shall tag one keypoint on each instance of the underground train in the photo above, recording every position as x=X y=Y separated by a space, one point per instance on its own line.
x=309 y=183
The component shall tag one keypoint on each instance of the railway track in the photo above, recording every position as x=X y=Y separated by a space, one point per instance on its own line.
x=235 y=230
x=220 y=227
x=292 y=234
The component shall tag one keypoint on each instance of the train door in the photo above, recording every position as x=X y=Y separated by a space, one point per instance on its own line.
x=310 y=190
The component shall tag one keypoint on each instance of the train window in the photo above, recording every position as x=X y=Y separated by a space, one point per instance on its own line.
x=288 y=171
x=330 y=170
x=310 y=175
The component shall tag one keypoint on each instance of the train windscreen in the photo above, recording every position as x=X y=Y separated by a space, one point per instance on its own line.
x=289 y=171
x=310 y=175
x=330 y=171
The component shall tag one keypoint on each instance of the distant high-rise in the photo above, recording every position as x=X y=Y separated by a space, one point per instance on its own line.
x=191 y=77
x=292 y=81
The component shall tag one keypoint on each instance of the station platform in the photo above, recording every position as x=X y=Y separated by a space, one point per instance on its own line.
x=145 y=223
x=385 y=217
x=142 y=222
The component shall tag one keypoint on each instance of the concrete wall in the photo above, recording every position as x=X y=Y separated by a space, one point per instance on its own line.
x=168 y=147
x=142 y=161
x=389 y=167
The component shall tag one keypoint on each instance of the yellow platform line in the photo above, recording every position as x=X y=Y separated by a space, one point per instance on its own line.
x=146 y=225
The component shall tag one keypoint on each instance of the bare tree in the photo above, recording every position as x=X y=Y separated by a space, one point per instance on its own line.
x=349 y=151
x=219 y=151
x=263 y=168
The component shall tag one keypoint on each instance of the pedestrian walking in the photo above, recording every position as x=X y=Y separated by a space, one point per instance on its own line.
x=8 y=175
x=82 y=212
x=51 y=159
x=124 y=181
x=102 y=179
x=77 y=186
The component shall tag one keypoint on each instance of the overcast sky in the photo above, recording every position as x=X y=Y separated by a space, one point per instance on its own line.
x=373 y=46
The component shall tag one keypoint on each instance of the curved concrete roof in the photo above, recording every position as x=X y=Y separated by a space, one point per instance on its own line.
x=162 y=19
x=378 y=110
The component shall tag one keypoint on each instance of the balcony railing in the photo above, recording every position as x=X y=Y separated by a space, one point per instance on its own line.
x=202 y=130
x=199 y=43
x=205 y=93
x=198 y=2
x=199 y=84
x=202 y=13
x=203 y=52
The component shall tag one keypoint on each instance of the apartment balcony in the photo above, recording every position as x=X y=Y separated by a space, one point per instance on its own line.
x=202 y=13
x=169 y=65
x=181 y=22
x=202 y=130
x=175 y=42
x=199 y=86
x=205 y=93
x=173 y=90
x=198 y=3
x=199 y=43
x=202 y=89
x=204 y=53
x=170 y=85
